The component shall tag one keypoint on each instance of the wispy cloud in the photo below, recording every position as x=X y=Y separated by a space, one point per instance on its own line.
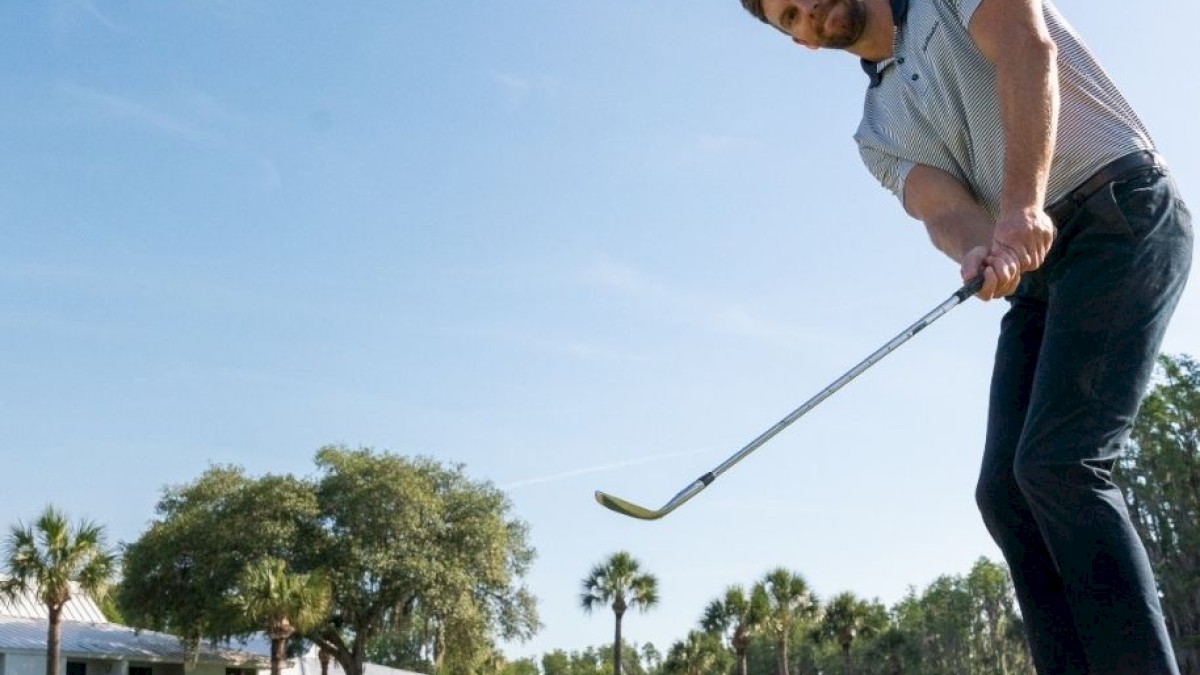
x=517 y=89
x=185 y=115
x=69 y=16
x=140 y=113
x=713 y=314
x=599 y=468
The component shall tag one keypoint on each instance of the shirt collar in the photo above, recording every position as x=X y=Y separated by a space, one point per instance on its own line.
x=874 y=69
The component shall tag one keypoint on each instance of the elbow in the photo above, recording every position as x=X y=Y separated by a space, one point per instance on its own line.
x=1035 y=45
x=1045 y=47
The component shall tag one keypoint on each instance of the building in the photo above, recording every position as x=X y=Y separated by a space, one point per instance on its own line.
x=92 y=646
x=310 y=663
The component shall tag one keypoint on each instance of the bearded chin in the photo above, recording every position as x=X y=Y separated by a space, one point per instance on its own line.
x=856 y=15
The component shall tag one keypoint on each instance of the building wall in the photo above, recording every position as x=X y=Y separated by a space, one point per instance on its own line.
x=24 y=664
x=35 y=664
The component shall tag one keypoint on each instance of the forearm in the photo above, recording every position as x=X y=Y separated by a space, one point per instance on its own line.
x=955 y=232
x=955 y=221
x=1012 y=34
x=1027 y=89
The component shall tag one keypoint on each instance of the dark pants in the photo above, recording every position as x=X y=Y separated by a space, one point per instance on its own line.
x=1075 y=356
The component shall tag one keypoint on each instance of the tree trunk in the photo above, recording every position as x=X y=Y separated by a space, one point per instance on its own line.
x=278 y=645
x=53 y=639
x=439 y=648
x=781 y=650
x=323 y=657
x=617 y=644
x=741 y=657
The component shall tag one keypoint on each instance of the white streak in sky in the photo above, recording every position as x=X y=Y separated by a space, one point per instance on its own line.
x=601 y=468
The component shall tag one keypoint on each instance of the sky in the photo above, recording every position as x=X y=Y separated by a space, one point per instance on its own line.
x=573 y=246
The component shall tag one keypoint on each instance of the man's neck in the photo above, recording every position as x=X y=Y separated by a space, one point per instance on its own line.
x=878 y=37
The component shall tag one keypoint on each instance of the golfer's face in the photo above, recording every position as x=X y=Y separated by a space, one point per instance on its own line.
x=816 y=24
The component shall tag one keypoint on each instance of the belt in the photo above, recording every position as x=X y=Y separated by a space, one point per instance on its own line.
x=1062 y=210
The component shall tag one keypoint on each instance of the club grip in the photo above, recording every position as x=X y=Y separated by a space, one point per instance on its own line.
x=971 y=288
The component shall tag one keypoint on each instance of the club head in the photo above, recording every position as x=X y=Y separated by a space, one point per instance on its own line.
x=627 y=508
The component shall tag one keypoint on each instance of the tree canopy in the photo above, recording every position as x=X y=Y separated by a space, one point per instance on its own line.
x=411 y=549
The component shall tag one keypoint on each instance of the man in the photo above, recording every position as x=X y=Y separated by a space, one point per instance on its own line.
x=994 y=125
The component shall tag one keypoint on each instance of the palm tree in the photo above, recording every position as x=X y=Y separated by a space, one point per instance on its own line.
x=786 y=599
x=698 y=654
x=619 y=583
x=737 y=617
x=846 y=619
x=281 y=603
x=50 y=559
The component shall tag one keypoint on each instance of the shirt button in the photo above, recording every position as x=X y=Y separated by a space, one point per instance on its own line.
x=915 y=77
x=900 y=60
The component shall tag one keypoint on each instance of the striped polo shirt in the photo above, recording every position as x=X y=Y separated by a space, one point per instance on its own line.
x=934 y=102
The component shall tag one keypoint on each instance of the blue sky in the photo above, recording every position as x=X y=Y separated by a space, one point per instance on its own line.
x=574 y=246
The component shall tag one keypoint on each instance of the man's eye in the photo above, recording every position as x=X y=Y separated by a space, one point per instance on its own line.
x=788 y=17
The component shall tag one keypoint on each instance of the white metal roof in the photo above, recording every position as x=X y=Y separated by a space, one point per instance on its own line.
x=111 y=641
x=26 y=605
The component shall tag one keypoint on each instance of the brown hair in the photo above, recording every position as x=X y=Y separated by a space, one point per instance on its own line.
x=755 y=8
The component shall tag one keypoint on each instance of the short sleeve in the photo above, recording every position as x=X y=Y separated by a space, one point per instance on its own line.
x=966 y=10
x=889 y=170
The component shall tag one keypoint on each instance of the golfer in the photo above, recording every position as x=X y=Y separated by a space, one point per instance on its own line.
x=996 y=127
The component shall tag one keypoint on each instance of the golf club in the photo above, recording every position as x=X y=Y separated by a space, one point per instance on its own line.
x=632 y=510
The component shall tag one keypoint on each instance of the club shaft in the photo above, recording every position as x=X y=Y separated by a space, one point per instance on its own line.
x=961 y=294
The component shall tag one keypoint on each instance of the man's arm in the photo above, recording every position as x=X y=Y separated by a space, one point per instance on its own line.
x=959 y=227
x=1012 y=34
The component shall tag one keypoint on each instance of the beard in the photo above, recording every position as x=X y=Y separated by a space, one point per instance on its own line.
x=844 y=33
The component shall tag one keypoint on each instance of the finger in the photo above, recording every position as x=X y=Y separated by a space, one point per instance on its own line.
x=1005 y=265
x=1011 y=287
x=991 y=282
x=1019 y=254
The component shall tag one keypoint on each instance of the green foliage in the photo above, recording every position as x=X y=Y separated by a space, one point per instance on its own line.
x=520 y=667
x=417 y=548
x=700 y=653
x=281 y=603
x=50 y=556
x=619 y=583
x=736 y=617
x=409 y=548
x=180 y=575
x=598 y=661
x=1161 y=475
x=961 y=625
x=788 y=605
x=847 y=619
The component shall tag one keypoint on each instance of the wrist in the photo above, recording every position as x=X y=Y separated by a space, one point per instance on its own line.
x=1021 y=210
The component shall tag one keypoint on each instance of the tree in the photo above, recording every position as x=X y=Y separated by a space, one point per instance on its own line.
x=526 y=666
x=787 y=600
x=698 y=654
x=50 y=556
x=410 y=548
x=961 y=625
x=282 y=603
x=416 y=547
x=997 y=635
x=846 y=619
x=1160 y=472
x=620 y=584
x=736 y=617
x=180 y=574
